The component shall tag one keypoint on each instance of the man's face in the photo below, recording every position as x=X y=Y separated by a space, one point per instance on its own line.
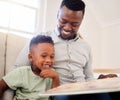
x=69 y=22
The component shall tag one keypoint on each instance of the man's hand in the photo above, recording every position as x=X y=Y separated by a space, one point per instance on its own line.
x=101 y=76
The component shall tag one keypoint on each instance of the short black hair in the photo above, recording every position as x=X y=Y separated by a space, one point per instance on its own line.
x=75 y=5
x=41 y=39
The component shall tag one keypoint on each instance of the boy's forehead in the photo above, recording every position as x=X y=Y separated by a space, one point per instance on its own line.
x=42 y=46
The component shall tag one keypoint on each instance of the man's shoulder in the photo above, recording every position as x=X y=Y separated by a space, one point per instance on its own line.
x=84 y=43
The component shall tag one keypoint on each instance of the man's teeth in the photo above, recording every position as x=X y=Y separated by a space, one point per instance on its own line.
x=66 y=32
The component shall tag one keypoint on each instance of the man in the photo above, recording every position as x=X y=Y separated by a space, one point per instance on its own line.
x=73 y=60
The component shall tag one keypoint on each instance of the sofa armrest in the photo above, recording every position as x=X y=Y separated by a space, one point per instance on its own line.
x=3 y=38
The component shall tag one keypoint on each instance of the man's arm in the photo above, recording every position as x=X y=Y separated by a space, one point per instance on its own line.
x=88 y=70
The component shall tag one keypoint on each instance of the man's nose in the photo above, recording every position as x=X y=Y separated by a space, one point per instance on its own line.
x=68 y=27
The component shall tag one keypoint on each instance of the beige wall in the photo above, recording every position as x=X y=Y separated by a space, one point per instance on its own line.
x=91 y=31
x=111 y=46
x=51 y=13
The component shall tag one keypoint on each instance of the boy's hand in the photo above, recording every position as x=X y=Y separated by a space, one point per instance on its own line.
x=48 y=73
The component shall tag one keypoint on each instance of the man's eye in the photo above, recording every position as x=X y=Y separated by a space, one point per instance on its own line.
x=62 y=21
x=75 y=24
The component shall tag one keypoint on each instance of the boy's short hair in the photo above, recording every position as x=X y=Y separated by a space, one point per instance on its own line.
x=75 y=5
x=41 y=39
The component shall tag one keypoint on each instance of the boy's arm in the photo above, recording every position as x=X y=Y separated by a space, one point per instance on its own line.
x=56 y=81
x=3 y=87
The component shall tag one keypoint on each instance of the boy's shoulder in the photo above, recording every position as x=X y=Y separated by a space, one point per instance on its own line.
x=22 y=69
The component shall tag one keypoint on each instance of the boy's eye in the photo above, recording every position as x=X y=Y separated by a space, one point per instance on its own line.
x=52 y=57
x=43 y=56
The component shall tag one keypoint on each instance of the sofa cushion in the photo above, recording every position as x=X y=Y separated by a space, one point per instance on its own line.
x=2 y=53
x=15 y=43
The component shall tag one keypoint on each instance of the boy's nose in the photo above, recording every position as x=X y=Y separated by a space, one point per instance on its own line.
x=48 y=59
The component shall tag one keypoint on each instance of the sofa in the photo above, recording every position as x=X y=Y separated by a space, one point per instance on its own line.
x=10 y=46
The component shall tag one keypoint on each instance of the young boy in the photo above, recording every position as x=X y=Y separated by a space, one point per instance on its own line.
x=29 y=81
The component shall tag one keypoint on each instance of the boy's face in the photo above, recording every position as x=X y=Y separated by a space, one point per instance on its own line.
x=42 y=55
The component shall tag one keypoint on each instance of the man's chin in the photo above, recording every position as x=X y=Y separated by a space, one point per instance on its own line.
x=67 y=36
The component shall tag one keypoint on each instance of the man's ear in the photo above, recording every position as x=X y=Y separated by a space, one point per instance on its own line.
x=30 y=57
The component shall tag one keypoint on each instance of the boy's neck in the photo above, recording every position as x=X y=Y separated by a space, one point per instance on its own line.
x=35 y=70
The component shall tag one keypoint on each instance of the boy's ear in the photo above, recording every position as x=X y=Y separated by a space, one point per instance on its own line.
x=30 y=57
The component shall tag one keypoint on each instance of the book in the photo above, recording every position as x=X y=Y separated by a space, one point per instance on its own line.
x=86 y=87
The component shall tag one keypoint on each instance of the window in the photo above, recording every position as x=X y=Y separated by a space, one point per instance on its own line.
x=19 y=16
